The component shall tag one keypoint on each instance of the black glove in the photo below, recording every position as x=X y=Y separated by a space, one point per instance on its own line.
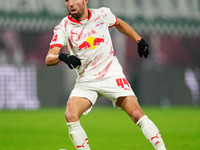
x=71 y=60
x=143 y=48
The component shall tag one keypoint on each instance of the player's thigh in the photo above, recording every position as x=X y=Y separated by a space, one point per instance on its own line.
x=75 y=108
x=131 y=106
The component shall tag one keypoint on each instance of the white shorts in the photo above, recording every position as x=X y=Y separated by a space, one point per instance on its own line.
x=111 y=88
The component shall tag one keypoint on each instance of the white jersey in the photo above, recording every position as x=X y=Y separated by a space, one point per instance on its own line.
x=90 y=41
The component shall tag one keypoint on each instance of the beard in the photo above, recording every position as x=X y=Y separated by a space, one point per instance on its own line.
x=76 y=16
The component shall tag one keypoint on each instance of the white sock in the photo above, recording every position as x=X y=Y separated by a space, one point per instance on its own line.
x=151 y=132
x=78 y=136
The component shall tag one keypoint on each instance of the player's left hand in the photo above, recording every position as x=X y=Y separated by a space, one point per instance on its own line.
x=143 y=48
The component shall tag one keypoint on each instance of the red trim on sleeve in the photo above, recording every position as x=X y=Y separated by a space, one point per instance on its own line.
x=56 y=45
x=114 y=23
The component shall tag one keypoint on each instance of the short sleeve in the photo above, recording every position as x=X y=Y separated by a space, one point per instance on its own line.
x=111 y=19
x=59 y=38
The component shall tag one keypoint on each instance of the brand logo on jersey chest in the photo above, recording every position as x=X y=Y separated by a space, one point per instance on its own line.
x=100 y=24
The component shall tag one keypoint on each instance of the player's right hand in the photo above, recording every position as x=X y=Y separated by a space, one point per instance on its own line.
x=143 y=48
x=71 y=60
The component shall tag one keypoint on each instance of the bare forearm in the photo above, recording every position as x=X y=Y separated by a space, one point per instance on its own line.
x=124 y=28
x=52 y=60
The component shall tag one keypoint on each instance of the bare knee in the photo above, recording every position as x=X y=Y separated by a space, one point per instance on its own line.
x=131 y=106
x=70 y=113
x=76 y=106
x=136 y=115
x=71 y=117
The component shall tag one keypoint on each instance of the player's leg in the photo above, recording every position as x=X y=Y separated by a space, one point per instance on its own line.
x=149 y=129
x=75 y=108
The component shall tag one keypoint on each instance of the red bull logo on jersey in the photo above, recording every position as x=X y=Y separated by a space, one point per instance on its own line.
x=91 y=43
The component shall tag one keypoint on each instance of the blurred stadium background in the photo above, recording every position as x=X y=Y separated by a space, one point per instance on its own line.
x=170 y=76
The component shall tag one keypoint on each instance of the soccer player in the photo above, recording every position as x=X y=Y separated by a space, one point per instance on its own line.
x=85 y=33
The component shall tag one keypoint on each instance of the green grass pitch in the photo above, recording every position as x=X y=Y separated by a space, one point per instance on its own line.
x=107 y=129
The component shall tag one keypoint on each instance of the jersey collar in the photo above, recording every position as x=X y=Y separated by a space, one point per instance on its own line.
x=77 y=22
